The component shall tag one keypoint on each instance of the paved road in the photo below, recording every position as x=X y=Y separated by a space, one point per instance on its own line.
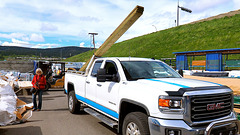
x=55 y=119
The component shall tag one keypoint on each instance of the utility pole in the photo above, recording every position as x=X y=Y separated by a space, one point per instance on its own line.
x=183 y=9
x=93 y=34
x=178 y=14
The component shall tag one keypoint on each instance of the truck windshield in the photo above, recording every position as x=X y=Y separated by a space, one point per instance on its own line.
x=135 y=70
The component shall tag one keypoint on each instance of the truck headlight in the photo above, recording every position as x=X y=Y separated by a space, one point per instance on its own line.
x=168 y=104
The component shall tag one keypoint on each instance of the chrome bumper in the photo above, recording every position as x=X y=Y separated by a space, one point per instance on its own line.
x=218 y=123
x=160 y=126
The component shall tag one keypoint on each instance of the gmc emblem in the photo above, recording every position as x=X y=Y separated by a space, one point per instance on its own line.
x=216 y=106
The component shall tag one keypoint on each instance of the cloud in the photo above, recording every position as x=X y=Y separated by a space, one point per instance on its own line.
x=16 y=42
x=82 y=44
x=202 y=5
x=58 y=15
x=20 y=43
x=47 y=45
x=33 y=37
x=36 y=38
x=236 y=4
x=71 y=1
x=48 y=27
x=76 y=18
x=13 y=35
x=89 y=19
x=98 y=44
x=69 y=17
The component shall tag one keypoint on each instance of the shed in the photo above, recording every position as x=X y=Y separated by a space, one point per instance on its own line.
x=216 y=60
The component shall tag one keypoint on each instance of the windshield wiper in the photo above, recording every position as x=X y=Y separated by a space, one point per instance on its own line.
x=169 y=77
x=166 y=77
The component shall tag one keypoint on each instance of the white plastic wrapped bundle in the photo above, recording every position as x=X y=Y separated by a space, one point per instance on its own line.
x=7 y=103
x=11 y=79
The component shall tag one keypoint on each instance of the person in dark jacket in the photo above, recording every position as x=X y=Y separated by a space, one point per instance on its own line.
x=49 y=73
x=38 y=82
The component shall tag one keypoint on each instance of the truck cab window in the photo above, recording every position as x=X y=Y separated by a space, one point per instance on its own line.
x=96 y=66
x=135 y=70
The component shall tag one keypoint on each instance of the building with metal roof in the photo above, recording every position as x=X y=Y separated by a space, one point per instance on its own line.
x=216 y=60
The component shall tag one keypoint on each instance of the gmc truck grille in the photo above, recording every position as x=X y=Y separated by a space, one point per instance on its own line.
x=210 y=107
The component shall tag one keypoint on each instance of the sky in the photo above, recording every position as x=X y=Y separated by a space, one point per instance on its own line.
x=61 y=23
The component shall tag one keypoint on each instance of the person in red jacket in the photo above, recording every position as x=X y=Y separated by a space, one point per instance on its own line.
x=38 y=82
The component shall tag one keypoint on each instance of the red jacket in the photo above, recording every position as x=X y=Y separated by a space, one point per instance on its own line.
x=41 y=82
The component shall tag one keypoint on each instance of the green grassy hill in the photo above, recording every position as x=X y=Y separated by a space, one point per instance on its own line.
x=214 y=34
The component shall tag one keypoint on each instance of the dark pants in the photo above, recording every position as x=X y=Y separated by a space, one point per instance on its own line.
x=39 y=106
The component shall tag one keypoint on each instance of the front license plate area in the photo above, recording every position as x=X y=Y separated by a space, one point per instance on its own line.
x=219 y=131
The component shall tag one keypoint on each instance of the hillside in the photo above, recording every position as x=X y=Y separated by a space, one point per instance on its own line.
x=64 y=52
x=215 y=33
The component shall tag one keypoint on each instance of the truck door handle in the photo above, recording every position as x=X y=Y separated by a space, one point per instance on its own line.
x=87 y=82
x=99 y=85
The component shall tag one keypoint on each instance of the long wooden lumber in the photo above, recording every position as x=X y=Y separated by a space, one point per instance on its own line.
x=120 y=30
x=117 y=33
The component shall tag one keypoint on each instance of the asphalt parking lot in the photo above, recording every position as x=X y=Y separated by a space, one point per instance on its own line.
x=55 y=119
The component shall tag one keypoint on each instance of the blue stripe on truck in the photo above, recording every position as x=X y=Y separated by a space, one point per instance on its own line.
x=99 y=107
x=180 y=85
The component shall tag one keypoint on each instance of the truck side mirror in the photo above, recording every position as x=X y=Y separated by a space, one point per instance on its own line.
x=116 y=78
x=101 y=75
x=180 y=71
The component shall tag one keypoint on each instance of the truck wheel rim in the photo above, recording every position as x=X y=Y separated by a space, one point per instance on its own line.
x=70 y=103
x=132 y=129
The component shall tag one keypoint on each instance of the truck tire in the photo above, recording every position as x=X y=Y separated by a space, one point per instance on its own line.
x=135 y=123
x=73 y=104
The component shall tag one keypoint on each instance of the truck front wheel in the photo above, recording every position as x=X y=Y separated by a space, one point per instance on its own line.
x=73 y=104
x=135 y=123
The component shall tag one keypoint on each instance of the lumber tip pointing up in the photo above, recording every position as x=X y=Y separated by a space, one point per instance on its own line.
x=117 y=33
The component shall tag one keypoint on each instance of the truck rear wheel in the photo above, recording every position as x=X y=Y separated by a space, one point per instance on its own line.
x=73 y=104
x=135 y=123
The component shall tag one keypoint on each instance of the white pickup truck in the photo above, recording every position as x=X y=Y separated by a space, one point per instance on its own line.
x=146 y=96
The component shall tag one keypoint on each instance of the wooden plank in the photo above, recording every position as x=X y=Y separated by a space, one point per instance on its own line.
x=24 y=84
x=117 y=33
x=237 y=105
x=120 y=30
x=233 y=83
x=199 y=63
x=237 y=110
